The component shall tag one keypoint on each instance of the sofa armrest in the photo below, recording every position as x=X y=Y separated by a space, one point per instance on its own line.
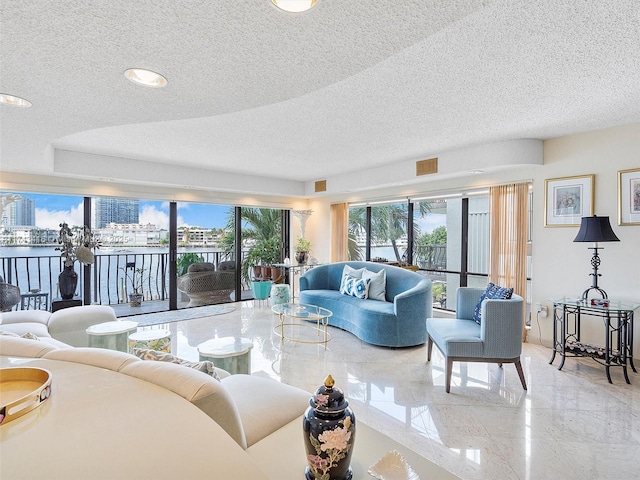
x=315 y=279
x=25 y=316
x=501 y=327
x=412 y=302
x=69 y=325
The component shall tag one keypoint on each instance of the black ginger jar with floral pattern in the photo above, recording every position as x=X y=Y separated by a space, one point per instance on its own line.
x=329 y=430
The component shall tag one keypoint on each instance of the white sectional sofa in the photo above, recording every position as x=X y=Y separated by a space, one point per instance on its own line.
x=68 y=325
x=248 y=408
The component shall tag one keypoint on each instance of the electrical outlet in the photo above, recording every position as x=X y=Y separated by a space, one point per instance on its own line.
x=543 y=311
x=538 y=307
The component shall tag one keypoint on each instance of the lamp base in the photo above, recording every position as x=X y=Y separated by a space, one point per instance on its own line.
x=585 y=294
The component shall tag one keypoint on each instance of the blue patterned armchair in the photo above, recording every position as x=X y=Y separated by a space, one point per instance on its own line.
x=498 y=339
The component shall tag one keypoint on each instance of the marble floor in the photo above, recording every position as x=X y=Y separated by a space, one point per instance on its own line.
x=569 y=424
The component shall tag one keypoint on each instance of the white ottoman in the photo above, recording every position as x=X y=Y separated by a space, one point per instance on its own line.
x=228 y=353
x=158 y=339
x=280 y=293
x=111 y=335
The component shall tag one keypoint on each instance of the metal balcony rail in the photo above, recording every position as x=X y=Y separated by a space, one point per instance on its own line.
x=109 y=283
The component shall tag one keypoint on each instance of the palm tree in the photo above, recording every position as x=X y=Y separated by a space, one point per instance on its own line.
x=389 y=223
x=258 y=224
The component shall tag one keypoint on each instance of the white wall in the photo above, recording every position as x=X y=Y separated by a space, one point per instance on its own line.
x=561 y=267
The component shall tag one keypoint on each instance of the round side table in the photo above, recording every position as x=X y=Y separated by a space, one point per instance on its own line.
x=228 y=353
x=111 y=335
x=159 y=340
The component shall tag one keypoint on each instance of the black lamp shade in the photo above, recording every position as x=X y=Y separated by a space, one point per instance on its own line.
x=595 y=229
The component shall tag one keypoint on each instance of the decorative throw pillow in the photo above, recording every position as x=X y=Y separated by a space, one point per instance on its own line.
x=348 y=271
x=492 y=291
x=378 y=286
x=148 y=354
x=355 y=287
x=28 y=335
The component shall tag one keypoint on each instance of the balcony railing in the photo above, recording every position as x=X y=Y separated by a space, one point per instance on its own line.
x=109 y=285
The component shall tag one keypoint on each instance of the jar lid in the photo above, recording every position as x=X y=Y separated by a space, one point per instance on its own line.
x=328 y=398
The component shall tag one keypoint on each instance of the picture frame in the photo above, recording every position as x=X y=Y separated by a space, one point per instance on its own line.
x=629 y=197
x=567 y=200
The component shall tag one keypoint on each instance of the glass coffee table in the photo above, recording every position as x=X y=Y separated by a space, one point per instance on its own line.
x=288 y=313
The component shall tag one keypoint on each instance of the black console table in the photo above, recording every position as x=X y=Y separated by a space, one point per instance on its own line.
x=618 y=328
x=60 y=303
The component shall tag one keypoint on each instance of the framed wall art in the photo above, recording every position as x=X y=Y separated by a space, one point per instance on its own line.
x=629 y=197
x=567 y=200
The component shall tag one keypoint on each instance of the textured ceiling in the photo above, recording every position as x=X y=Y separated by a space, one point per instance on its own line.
x=348 y=86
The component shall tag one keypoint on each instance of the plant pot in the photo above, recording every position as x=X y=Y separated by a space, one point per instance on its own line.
x=302 y=257
x=276 y=273
x=257 y=272
x=135 y=299
x=67 y=282
x=265 y=272
x=261 y=290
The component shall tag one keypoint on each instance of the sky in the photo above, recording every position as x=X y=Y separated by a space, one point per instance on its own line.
x=51 y=210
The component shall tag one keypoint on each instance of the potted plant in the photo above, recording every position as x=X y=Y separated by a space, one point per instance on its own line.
x=251 y=262
x=302 y=248
x=73 y=248
x=136 y=278
x=269 y=256
x=182 y=265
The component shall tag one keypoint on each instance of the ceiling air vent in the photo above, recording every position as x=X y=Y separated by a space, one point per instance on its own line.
x=427 y=167
x=321 y=186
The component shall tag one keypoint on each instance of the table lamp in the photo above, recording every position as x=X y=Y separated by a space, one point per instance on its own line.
x=595 y=229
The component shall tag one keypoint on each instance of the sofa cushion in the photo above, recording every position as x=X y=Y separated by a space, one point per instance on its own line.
x=97 y=357
x=37 y=329
x=264 y=404
x=355 y=287
x=148 y=354
x=378 y=285
x=492 y=291
x=22 y=347
x=198 y=388
x=456 y=337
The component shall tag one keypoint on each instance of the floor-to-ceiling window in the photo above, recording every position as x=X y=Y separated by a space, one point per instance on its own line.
x=449 y=235
x=134 y=236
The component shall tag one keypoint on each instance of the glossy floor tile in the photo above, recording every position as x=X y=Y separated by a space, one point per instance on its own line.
x=569 y=424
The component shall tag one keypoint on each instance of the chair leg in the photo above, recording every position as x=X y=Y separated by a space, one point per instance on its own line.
x=520 y=374
x=447 y=373
x=429 y=347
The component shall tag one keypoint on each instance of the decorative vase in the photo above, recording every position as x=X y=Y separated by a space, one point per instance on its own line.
x=67 y=282
x=329 y=430
x=301 y=257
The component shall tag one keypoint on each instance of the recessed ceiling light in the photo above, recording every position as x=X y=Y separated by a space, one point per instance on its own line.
x=145 y=77
x=295 y=6
x=14 y=101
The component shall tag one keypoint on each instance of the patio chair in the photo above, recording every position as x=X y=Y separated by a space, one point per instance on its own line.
x=205 y=286
x=9 y=296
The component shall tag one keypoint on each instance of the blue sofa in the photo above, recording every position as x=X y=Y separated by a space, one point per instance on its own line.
x=400 y=321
